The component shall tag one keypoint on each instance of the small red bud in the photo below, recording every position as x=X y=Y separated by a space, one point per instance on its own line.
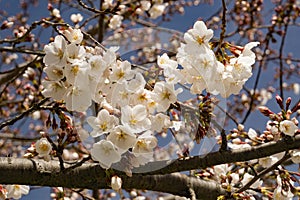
x=50 y=7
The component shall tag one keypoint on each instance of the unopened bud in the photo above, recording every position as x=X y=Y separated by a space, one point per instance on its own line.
x=241 y=127
x=265 y=111
x=6 y=25
x=279 y=101
x=288 y=103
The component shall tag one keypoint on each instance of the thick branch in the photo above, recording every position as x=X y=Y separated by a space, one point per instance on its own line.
x=92 y=176
x=221 y=157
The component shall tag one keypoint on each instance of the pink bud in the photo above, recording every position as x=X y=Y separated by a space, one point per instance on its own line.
x=279 y=101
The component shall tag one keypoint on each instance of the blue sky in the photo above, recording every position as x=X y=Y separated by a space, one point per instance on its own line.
x=179 y=23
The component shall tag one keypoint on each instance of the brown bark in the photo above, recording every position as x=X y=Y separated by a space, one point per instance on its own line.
x=92 y=176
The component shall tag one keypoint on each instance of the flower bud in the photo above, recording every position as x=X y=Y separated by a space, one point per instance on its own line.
x=265 y=111
x=43 y=147
x=116 y=183
x=279 y=101
x=288 y=103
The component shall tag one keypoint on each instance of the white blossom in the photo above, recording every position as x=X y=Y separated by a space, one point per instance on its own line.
x=73 y=35
x=157 y=10
x=144 y=144
x=121 y=72
x=199 y=36
x=160 y=121
x=288 y=127
x=247 y=178
x=16 y=191
x=295 y=156
x=115 y=21
x=103 y=123
x=43 y=147
x=54 y=89
x=122 y=137
x=106 y=153
x=252 y=134
x=165 y=94
x=56 y=13
x=116 y=183
x=135 y=117
x=76 y=18
x=55 y=52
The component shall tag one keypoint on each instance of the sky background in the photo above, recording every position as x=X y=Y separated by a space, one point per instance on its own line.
x=180 y=23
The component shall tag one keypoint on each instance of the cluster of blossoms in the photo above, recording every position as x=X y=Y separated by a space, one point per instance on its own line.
x=77 y=75
x=132 y=110
x=202 y=68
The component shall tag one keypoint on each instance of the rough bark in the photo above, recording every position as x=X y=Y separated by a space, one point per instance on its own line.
x=92 y=176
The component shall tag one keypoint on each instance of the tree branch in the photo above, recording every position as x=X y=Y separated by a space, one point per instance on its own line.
x=149 y=177
x=92 y=176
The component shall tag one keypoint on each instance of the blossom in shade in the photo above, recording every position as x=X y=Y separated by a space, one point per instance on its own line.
x=295 y=156
x=247 y=178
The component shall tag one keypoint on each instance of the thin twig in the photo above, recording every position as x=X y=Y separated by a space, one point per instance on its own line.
x=273 y=167
x=23 y=114
x=223 y=26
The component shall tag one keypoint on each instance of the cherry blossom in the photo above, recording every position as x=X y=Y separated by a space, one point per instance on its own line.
x=73 y=35
x=283 y=192
x=116 y=183
x=55 y=52
x=78 y=98
x=295 y=156
x=43 y=147
x=54 y=89
x=247 y=177
x=103 y=123
x=122 y=137
x=76 y=18
x=156 y=10
x=165 y=94
x=199 y=35
x=145 y=144
x=136 y=118
x=115 y=21
x=160 y=121
x=106 y=153
x=121 y=72
x=288 y=127
x=16 y=191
